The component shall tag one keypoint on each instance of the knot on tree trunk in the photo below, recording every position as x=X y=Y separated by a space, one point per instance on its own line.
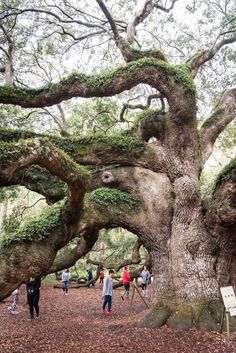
x=107 y=177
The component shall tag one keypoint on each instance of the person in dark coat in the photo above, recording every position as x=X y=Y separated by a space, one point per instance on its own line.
x=33 y=295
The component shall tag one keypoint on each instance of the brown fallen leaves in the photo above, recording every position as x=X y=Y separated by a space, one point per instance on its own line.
x=74 y=323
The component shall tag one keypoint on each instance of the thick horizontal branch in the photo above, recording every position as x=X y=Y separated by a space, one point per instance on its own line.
x=100 y=150
x=157 y=73
x=224 y=113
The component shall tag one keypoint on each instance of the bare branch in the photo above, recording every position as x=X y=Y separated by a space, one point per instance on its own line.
x=109 y=18
x=146 y=11
x=200 y=59
x=140 y=106
x=9 y=70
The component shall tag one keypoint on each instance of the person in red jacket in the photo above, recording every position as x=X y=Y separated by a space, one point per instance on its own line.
x=126 y=282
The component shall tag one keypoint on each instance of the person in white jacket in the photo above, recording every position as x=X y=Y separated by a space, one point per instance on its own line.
x=145 y=275
x=13 y=307
x=65 y=277
x=107 y=292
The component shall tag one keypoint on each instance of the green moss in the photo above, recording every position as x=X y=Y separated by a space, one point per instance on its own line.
x=226 y=173
x=77 y=146
x=11 y=151
x=112 y=200
x=19 y=92
x=119 y=143
x=179 y=73
x=145 y=114
x=35 y=228
x=149 y=114
x=213 y=118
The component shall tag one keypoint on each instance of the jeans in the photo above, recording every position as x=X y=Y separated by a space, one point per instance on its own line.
x=65 y=286
x=107 y=300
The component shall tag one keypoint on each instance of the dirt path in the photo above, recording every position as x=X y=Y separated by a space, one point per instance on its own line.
x=74 y=323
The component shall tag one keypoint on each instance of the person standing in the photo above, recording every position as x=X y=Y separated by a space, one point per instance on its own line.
x=101 y=275
x=33 y=294
x=107 y=293
x=90 y=276
x=145 y=275
x=13 y=307
x=126 y=282
x=65 y=278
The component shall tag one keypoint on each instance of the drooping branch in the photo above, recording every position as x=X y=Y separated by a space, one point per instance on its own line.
x=15 y=156
x=101 y=149
x=103 y=208
x=204 y=56
x=224 y=113
x=68 y=259
x=40 y=180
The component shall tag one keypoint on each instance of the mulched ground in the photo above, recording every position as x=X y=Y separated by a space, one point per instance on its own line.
x=74 y=323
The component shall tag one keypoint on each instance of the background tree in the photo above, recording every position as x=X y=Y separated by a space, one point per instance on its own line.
x=147 y=178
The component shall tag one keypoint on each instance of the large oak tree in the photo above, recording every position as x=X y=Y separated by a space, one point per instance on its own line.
x=145 y=180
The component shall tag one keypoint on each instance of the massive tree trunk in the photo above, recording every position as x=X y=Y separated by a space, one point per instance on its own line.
x=154 y=191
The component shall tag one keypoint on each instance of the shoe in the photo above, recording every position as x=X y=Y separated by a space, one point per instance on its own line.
x=122 y=297
x=9 y=308
x=104 y=312
x=30 y=318
x=37 y=316
x=15 y=312
x=109 y=312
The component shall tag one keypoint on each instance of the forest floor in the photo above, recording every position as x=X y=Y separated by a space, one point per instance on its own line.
x=75 y=324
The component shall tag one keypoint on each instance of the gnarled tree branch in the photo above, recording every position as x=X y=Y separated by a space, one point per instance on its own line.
x=68 y=259
x=224 y=113
x=38 y=151
x=200 y=59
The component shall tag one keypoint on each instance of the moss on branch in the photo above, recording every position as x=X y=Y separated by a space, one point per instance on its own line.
x=213 y=118
x=226 y=173
x=112 y=200
x=105 y=83
x=79 y=146
x=13 y=151
x=180 y=74
x=36 y=228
